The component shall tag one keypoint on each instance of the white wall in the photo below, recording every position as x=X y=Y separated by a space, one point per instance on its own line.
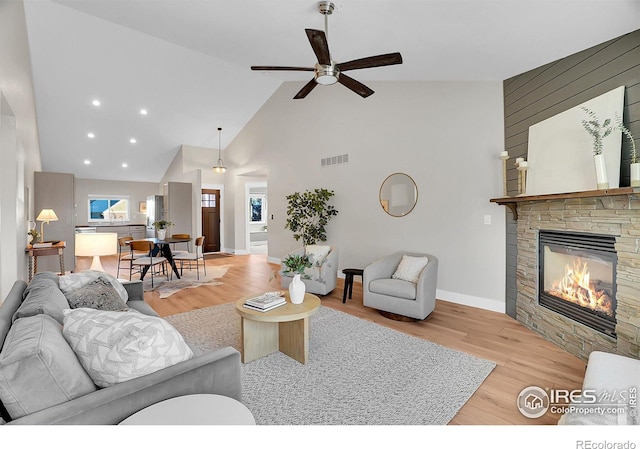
x=446 y=135
x=136 y=191
x=193 y=164
x=19 y=146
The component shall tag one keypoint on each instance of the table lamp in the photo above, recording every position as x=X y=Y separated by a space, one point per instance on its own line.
x=45 y=216
x=96 y=244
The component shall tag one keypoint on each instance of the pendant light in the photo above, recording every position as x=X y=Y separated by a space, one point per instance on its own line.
x=219 y=167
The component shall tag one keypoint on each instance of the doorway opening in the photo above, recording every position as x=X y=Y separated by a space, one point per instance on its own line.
x=257 y=214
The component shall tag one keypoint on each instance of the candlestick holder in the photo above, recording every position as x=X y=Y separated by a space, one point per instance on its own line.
x=517 y=164
x=522 y=176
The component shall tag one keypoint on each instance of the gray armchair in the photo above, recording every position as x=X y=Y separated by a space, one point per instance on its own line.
x=399 y=297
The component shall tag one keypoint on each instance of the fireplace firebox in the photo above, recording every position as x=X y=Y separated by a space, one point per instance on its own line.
x=577 y=277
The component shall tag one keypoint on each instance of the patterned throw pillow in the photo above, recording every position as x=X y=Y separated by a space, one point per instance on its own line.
x=98 y=294
x=410 y=268
x=114 y=347
x=73 y=281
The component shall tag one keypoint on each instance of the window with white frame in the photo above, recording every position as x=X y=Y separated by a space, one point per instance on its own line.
x=109 y=209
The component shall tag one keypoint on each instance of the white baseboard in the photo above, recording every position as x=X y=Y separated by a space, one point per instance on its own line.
x=237 y=252
x=473 y=301
x=492 y=305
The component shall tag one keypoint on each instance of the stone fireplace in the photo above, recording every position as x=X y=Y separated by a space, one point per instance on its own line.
x=613 y=217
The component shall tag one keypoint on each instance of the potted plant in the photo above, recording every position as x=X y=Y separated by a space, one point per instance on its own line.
x=598 y=131
x=161 y=227
x=34 y=234
x=309 y=213
x=296 y=264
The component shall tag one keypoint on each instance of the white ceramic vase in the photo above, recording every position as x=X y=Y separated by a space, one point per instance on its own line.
x=601 y=171
x=296 y=290
x=635 y=174
x=162 y=233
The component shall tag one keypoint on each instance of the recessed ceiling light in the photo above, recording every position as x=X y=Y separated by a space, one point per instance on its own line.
x=132 y=140
x=143 y=111
x=87 y=162
x=124 y=165
x=96 y=102
x=91 y=135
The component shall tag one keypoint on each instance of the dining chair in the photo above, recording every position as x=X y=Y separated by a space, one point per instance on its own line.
x=149 y=260
x=193 y=258
x=125 y=254
x=181 y=236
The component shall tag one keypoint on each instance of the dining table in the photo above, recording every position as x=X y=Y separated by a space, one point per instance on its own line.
x=163 y=246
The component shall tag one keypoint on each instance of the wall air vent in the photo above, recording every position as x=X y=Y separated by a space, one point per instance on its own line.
x=334 y=160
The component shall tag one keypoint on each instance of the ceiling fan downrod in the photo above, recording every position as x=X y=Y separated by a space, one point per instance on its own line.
x=326 y=74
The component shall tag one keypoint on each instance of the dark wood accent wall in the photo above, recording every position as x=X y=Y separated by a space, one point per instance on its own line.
x=555 y=87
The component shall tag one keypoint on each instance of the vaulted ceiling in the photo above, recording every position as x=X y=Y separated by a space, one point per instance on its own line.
x=186 y=62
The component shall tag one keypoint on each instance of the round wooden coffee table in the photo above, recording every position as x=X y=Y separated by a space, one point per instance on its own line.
x=284 y=329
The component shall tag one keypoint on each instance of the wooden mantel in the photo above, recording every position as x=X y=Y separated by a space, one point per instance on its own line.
x=512 y=201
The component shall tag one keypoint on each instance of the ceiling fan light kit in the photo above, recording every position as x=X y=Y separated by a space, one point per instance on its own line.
x=326 y=71
x=326 y=74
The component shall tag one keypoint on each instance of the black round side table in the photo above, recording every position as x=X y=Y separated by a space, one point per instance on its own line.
x=348 y=281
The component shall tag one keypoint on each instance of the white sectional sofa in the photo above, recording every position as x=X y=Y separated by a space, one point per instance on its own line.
x=614 y=381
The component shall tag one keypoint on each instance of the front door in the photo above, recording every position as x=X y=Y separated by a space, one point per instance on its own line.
x=211 y=220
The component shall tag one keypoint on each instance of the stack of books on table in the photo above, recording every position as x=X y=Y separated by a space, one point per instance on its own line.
x=266 y=301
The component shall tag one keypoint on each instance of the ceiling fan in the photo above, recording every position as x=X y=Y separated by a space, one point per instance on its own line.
x=327 y=71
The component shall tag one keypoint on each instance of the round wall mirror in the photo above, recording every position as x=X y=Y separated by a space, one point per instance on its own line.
x=398 y=194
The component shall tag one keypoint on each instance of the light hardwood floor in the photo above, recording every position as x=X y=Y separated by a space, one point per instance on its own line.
x=523 y=358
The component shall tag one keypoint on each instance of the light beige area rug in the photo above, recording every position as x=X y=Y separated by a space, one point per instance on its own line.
x=187 y=280
x=359 y=372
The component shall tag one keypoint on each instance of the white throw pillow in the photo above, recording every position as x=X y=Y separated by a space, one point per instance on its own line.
x=410 y=268
x=317 y=253
x=114 y=347
x=73 y=281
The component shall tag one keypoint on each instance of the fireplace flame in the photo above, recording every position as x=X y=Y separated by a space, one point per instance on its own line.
x=577 y=287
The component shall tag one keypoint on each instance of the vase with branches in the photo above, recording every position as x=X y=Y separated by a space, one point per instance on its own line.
x=597 y=130
x=634 y=167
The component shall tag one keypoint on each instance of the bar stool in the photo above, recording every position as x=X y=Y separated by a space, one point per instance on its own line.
x=349 y=273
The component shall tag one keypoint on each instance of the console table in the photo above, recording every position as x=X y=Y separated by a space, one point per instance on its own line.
x=53 y=250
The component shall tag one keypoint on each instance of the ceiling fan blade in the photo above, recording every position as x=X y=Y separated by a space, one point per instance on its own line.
x=371 y=61
x=306 y=89
x=354 y=85
x=276 y=68
x=318 y=41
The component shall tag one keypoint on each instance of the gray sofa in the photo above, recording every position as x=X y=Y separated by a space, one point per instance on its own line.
x=216 y=372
